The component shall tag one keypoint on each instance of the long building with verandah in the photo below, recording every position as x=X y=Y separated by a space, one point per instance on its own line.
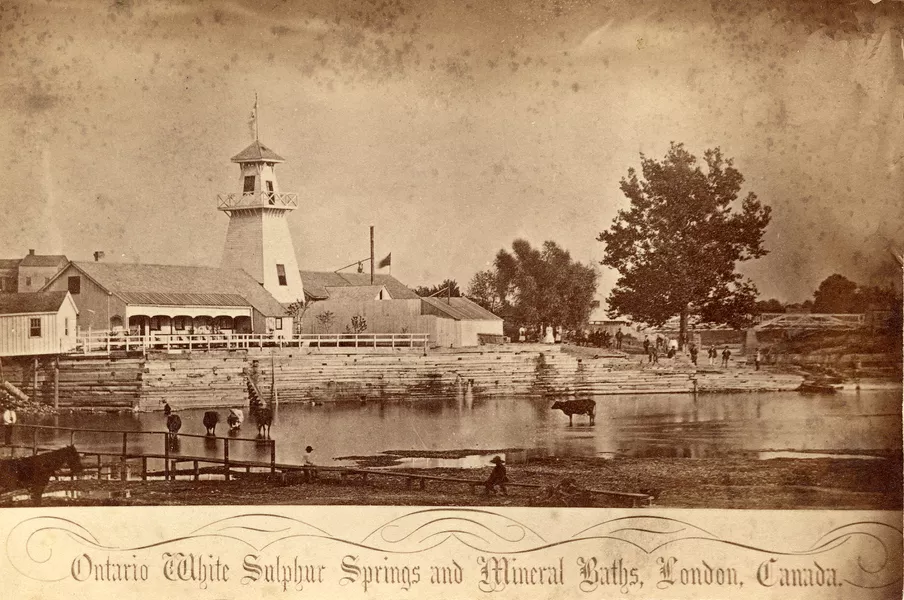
x=170 y=299
x=37 y=323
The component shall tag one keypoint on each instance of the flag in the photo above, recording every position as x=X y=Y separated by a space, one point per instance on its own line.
x=385 y=262
x=252 y=120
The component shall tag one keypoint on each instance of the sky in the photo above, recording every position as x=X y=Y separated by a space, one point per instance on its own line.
x=453 y=127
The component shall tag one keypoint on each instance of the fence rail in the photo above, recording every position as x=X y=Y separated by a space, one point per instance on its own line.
x=107 y=342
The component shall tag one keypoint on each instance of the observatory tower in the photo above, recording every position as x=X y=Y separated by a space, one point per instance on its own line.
x=258 y=239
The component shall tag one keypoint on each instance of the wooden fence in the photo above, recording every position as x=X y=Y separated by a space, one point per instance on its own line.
x=107 y=342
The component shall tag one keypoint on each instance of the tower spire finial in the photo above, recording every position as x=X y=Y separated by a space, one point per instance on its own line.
x=257 y=136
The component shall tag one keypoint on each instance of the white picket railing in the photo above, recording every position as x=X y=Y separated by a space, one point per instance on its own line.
x=107 y=342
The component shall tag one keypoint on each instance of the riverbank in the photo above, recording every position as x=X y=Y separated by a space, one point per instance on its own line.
x=729 y=482
x=216 y=379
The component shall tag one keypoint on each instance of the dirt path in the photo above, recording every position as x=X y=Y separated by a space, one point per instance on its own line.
x=745 y=483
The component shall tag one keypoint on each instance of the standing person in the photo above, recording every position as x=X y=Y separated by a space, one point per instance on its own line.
x=654 y=353
x=646 y=344
x=521 y=334
x=618 y=338
x=307 y=459
x=712 y=355
x=726 y=354
x=756 y=359
x=497 y=477
x=693 y=351
x=9 y=421
x=167 y=409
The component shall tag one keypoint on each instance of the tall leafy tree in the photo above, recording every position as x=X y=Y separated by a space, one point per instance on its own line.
x=484 y=290
x=542 y=286
x=677 y=246
x=836 y=294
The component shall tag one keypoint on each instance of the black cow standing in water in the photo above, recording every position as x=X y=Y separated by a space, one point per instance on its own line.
x=576 y=407
x=211 y=418
x=263 y=416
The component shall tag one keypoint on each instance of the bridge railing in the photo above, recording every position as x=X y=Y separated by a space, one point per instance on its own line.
x=107 y=342
x=132 y=444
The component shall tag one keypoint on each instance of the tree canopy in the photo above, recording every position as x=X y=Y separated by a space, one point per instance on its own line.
x=439 y=290
x=677 y=246
x=838 y=294
x=534 y=287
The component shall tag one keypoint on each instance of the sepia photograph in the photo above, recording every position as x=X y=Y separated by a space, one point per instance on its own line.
x=507 y=255
x=410 y=253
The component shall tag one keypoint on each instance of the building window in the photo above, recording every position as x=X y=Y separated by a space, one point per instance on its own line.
x=248 y=186
x=34 y=329
x=180 y=322
x=75 y=285
x=28 y=282
x=270 y=194
x=116 y=322
x=281 y=274
x=278 y=322
x=66 y=326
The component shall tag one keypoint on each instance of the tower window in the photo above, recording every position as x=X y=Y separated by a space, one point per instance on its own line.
x=248 y=186
x=75 y=285
x=281 y=274
x=270 y=194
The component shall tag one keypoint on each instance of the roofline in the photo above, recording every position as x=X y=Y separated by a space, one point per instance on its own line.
x=256 y=160
x=82 y=271
x=40 y=312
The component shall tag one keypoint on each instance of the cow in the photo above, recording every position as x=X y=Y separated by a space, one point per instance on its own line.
x=235 y=418
x=263 y=416
x=211 y=418
x=576 y=407
x=34 y=472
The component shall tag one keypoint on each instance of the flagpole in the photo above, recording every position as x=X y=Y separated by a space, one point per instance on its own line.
x=257 y=136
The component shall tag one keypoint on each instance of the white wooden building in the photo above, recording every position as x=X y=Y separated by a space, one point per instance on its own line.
x=37 y=323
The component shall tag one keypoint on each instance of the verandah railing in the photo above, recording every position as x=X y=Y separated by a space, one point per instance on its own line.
x=106 y=342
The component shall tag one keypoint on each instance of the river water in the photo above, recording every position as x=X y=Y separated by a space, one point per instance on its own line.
x=766 y=425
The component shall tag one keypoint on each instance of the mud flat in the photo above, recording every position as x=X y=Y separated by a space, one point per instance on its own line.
x=739 y=482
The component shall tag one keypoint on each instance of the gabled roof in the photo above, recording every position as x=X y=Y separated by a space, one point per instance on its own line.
x=316 y=283
x=44 y=260
x=358 y=294
x=31 y=302
x=192 y=286
x=257 y=152
x=460 y=309
x=10 y=263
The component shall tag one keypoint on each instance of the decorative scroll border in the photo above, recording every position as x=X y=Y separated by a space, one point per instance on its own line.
x=878 y=547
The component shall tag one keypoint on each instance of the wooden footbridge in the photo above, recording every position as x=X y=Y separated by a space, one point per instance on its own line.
x=129 y=461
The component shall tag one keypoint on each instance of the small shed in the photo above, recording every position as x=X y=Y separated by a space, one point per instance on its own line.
x=37 y=323
x=461 y=322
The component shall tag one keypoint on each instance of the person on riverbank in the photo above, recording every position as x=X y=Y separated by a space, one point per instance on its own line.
x=757 y=357
x=646 y=345
x=9 y=422
x=618 y=338
x=711 y=353
x=307 y=459
x=726 y=355
x=498 y=477
x=654 y=355
x=693 y=351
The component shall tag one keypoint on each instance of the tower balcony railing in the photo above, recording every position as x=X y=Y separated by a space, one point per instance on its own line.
x=282 y=200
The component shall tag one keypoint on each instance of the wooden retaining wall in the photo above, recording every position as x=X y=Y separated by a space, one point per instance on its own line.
x=216 y=378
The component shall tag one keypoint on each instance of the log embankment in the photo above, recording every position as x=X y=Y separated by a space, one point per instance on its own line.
x=217 y=378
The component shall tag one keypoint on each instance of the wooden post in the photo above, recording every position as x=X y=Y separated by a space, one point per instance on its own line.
x=272 y=457
x=144 y=468
x=166 y=473
x=125 y=443
x=34 y=384
x=99 y=467
x=56 y=384
x=371 y=255
x=226 y=458
x=34 y=441
x=197 y=474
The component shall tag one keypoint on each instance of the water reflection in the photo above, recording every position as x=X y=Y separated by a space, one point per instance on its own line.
x=661 y=425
